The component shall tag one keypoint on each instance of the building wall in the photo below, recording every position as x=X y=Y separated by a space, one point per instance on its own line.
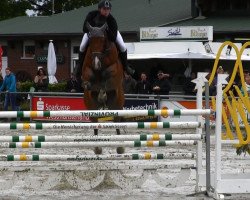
x=18 y=63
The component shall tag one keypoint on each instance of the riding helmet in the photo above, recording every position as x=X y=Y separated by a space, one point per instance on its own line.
x=104 y=4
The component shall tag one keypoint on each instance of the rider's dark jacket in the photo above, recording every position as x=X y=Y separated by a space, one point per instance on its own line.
x=95 y=19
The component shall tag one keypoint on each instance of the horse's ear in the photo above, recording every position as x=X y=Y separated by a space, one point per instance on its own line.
x=104 y=27
x=89 y=27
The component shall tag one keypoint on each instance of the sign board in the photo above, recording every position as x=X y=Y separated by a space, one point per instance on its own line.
x=197 y=33
x=43 y=59
x=59 y=103
x=76 y=103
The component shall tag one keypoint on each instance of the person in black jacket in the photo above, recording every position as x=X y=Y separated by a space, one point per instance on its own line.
x=189 y=86
x=143 y=85
x=162 y=85
x=98 y=18
x=73 y=85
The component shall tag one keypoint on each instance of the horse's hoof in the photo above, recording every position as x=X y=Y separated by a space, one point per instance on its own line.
x=98 y=150
x=120 y=150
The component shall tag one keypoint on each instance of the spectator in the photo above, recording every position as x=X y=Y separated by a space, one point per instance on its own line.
x=143 y=86
x=9 y=86
x=162 y=85
x=41 y=81
x=247 y=82
x=213 y=86
x=1 y=79
x=129 y=84
x=1 y=82
x=189 y=86
x=73 y=85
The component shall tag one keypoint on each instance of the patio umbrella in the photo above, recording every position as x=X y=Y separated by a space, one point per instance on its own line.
x=51 y=63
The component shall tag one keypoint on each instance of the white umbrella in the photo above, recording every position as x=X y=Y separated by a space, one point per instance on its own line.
x=51 y=63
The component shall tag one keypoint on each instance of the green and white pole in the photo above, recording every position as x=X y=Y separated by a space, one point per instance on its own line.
x=96 y=138
x=135 y=156
x=126 y=125
x=104 y=113
x=160 y=143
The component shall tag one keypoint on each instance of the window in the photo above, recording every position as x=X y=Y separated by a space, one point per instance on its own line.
x=76 y=49
x=28 y=49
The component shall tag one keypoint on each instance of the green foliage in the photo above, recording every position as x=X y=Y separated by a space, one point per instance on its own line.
x=12 y=8
x=59 y=87
x=25 y=86
x=44 y=7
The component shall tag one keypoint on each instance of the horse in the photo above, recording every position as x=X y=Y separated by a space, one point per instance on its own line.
x=102 y=75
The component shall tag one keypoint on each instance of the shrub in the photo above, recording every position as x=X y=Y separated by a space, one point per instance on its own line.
x=58 y=87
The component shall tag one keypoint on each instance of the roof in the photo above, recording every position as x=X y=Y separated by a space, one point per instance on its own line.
x=221 y=24
x=130 y=16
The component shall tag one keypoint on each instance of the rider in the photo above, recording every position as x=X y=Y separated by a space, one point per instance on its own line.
x=97 y=18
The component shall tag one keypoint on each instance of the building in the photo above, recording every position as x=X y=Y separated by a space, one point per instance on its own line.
x=25 y=39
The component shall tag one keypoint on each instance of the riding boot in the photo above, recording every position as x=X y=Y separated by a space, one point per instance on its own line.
x=124 y=61
x=78 y=69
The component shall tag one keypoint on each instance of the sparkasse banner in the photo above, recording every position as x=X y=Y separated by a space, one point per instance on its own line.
x=48 y=103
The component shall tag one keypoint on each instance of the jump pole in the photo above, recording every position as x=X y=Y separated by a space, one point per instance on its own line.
x=104 y=113
x=127 y=125
x=96 y=138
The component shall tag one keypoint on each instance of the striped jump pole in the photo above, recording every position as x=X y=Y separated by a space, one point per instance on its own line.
x=160 y=143
x=103 y=113
x=96 y=138
x=137 y=156
x=126 y=125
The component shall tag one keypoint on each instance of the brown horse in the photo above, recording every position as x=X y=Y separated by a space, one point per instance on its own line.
x=102 y=76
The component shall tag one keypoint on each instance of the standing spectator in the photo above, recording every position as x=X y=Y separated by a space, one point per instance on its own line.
x=73 y=85
x=247 y=82
x=9 y=86
x=189 y=86
x=143 y=86
x=129 y=84
x=1 y=95
x=162 y=85
x=213 y=86
x=41 y=81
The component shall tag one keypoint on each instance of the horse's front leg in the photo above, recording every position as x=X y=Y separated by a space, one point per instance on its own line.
x=88 y=78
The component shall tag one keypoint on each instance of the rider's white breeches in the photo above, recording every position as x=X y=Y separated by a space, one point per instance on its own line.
x=84 y=43
x=119 y=41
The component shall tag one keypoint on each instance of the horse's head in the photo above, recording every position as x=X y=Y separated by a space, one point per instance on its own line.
x=99 y=45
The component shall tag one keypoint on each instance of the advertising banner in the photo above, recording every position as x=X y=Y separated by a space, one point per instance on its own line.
x=200 y=33
x=141 y=104
x=59 y=103
x=77 y=103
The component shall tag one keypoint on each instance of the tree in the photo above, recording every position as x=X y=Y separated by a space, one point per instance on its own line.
x=44 y=7
x=13 y=8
